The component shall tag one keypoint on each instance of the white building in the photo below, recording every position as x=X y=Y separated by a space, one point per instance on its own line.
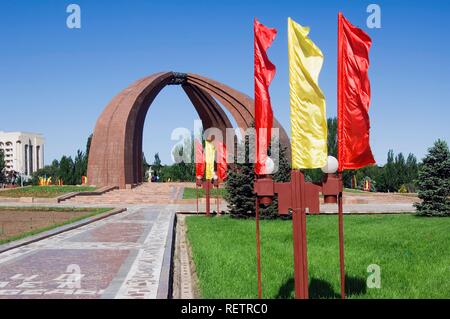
x=24 y=152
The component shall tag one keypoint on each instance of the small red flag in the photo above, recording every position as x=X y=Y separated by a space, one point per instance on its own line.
x=199 y=160
x=222 y=161
x=353 y=96
x=264 y=73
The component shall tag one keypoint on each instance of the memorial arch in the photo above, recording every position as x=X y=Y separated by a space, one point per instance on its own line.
x=115 y=157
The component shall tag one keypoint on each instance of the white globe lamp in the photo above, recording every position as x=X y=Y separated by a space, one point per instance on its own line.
x=270 y=166
x=332 y=165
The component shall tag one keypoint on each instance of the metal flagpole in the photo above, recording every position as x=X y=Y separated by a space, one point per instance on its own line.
x=196 y=195
x=258 y=250
x=341 y=241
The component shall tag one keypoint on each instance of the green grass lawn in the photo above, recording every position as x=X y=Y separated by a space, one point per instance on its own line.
x=89 y=212
x=352 y=190
x=189 y=193
x=44 y=191
x=413 y=254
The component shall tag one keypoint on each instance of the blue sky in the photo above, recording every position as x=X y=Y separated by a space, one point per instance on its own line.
x=56 y=81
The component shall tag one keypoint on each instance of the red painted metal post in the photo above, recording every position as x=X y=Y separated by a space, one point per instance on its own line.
x=196 y=195
x=299 y=235
x=341 y=241
x=217 y=199
x=208 y=198
x=258 y=250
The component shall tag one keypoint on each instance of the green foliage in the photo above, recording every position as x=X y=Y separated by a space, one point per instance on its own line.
x=156 y=167
x=332 y=137
x=44 y=191
x=79 y=168
x=388 y=178
x=239 y=185
x=145 y=168
x=68 y=170
x=2 y=167
x=434 y=182
x=191 y=193
x=179 y=172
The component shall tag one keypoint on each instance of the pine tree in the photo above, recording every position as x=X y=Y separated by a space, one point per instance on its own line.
x=66 y=170
x=2 y=167
x=240 y=182
x=434 y=182
x=78 y=169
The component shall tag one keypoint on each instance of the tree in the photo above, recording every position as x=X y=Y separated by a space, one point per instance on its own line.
x=157 y=165
x=66 y=170
x=2 y=167
x=239 y=185
x=412 y=173
x=145 y=167
x=240 y=196
x=332 y=136
x=86 y=156
x=79 y=168
x=434 y=182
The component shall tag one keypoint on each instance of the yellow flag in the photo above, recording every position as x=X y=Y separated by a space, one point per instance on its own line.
x=210 y=154
x=308 y=112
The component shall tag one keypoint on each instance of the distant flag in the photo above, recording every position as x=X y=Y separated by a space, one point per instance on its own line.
x=210 y=154
x=264 y=73
x=308 y=111
x=199 y=160
x=222 y=161
x=353 y=97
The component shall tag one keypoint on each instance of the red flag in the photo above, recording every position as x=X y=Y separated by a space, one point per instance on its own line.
x=199 y=160
x=264 y=73
x=353 y=97
x=222 y=161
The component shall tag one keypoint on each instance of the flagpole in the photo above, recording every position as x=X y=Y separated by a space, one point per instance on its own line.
x=341 y=241
x=258 y=250
x=340 y=101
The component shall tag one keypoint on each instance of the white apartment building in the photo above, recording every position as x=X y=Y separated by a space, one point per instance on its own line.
x=24 y=152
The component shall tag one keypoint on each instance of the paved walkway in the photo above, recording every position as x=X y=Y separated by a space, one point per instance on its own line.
x=122 y=256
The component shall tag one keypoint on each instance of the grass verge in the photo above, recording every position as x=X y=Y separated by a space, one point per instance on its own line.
x=411 y=251
x=190 y=193
x=44 y=191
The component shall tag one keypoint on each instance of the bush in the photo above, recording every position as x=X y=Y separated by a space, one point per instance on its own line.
x=434 y=182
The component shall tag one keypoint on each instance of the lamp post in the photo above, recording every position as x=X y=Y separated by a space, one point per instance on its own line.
x=206 y=185
x=198 y=183
x=216 y=184
x=298 y=196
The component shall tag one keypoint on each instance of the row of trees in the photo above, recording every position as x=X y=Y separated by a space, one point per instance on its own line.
x=431 y=178
x=68 y=170
x=398 y=174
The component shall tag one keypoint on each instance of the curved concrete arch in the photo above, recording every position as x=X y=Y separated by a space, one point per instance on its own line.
x=115 y=157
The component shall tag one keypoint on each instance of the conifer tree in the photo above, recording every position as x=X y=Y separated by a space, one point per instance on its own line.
x=434 y=182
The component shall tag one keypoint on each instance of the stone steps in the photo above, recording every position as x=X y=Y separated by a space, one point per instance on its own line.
x=148 y=193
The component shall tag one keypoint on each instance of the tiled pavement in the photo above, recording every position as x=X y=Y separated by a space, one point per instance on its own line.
x=117 y=257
